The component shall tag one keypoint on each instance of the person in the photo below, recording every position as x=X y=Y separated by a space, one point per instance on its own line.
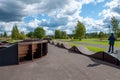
x=111 y=43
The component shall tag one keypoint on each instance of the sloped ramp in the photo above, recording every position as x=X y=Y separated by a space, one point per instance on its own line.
x=61 y=44
x=106 y=57
x=55 y=42
x=66 y=46
x=99 y=55
x=84 y=50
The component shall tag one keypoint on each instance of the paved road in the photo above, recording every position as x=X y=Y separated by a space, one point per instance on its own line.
x=61 y=64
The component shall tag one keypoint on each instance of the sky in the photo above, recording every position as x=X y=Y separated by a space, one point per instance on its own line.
x=57 y=14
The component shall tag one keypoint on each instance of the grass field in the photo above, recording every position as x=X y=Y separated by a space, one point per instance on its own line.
x=11 y=41
x=91 y=42
x=74 y=44
x=94 y=41
x=95 y=49
x=91 y=48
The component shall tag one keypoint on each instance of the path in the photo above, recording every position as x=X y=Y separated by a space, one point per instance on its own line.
x=90 y=44
x=96 y=45
x=60 y=64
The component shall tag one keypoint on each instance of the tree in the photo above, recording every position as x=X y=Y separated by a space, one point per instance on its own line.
x=39 y=32
x=101 y=35
x=22 y=35
x=5 y=34
x=114 y=23
x=63 y=35
x=57 y=34
x=30 y=34
x=79 y=31
x=92 y=35
x=1 y=35
x=118 y=33
x=15 y=32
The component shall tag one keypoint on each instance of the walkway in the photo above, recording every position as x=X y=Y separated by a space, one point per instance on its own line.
x=60 y=64
x=90 y=44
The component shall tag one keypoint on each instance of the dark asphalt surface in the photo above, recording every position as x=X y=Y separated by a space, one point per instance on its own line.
x=60 y=64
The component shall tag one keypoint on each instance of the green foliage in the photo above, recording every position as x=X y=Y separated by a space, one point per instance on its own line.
x=60 y=34
x=5 y=34
x=39 y=32
x=118 y=33
x=115 y=23
x=74 y=44
x=79 y=31
x=63 y=35
x=95 y=49
x=101 y=35
x=57 y=34
x=1 y=35
x=15 y=33
x=11 y=41
x=30 y=34
x=92 y=35
x=22 y=35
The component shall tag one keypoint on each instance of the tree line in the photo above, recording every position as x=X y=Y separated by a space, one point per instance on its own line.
x=4 y=35
x=39 y=32
x=60 y=34
x=78 y=33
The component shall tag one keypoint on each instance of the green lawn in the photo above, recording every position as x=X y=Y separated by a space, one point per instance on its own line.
x=95 y=49
x=11 y=41
x=74 y=44
x=93 y=41
x=91 y=48
x=103 y=42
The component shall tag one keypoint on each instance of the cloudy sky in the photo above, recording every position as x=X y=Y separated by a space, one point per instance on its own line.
x=57 y=14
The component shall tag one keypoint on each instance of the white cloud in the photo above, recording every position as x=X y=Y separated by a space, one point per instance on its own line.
x=87 y=1
x=34 y=23
x=93 y=25
x=100 y=1
x=113 y=3
x=91 y=1
x=112 y=9
x=63 y=14
x=49 y=32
